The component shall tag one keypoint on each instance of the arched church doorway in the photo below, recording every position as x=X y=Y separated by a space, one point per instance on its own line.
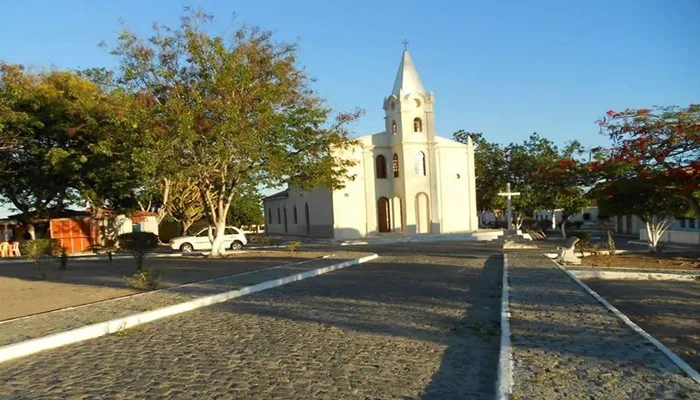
x=422 y=213
x=383 y=215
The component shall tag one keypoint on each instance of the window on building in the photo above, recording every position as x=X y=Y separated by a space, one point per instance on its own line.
x=381 y=167
x=279 y=216
x=420 y=164
x=395 y=165
x=691 y=223
x=586 y=216
x=417 y=125
x=682 y=222
x=296 y=220
x=269 y=215
x=393 y=127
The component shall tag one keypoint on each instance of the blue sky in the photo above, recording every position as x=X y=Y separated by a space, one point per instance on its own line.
x=505 y=68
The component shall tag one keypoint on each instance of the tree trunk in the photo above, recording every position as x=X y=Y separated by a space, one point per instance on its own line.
x=554 y=220
x=563 y=228
x=185 y=226
x=217 y=246
x=518 y=221
x=694 y=203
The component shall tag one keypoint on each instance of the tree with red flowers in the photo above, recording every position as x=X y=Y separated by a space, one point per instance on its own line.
x=661 y=145
x=652 y=169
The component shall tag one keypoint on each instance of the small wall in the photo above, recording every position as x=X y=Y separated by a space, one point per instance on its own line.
x=682 y=237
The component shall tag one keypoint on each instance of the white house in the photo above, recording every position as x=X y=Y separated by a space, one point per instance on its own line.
x=407 y=180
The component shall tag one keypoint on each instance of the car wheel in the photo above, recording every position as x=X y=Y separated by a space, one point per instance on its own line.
x=186 y=248
x=236 y=245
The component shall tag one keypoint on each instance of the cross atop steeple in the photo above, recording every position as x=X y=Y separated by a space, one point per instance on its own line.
x=405 y=44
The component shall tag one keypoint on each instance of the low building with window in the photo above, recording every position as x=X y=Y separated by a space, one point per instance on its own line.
x=407 y=180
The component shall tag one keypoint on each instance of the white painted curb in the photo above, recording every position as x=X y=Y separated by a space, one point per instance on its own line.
x=618 y=275
x=671 y=355
x=504 y=383
x=28 y=347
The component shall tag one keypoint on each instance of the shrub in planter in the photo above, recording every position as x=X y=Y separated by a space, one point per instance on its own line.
x=39 y=248
x=293 y=246
x=144 y=280
x=584 y=239
x=138 y=244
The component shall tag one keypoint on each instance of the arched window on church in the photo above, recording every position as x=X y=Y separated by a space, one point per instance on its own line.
x=381 y=167
x=395 y=165
x=279 y=216
x=417 y=125
x=393 y=127
x=296 y=221
x=420 y=164
x=269 y=215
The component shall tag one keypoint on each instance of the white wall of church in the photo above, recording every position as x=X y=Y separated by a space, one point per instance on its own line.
x=320 y=218
x=456 y=203
x=351 y=203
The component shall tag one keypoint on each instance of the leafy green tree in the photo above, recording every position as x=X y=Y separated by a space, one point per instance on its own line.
x=246 y=208
x=77 y=143
x=490 y=165
x=185 y=205
x=239 y=108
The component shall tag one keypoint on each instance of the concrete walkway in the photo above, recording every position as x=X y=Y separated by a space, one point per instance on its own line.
x=567 y=345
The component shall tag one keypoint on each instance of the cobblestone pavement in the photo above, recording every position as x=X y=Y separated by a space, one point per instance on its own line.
x=419 y=322
x=668 y=310
x=31 y=327
x=567 y=345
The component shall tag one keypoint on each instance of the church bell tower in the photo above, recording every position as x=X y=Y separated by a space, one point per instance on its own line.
x=410 y=124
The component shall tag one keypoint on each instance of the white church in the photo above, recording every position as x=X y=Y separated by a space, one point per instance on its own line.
x=406 y=180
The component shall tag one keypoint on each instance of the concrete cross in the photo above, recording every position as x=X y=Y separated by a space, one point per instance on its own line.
x=405 y=44
x=508 y=194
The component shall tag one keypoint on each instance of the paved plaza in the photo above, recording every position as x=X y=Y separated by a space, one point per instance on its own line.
x=419 y=322
x=567 y=345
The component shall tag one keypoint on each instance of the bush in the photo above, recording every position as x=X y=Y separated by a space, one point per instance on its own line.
x=293 y=245
x=543 y=225
x=261 y=240
x=138 y=244
x=584 y=239
x=64 y=258
x=144 y=280
x=38 y=248
x=528 y=223
x=606 y=226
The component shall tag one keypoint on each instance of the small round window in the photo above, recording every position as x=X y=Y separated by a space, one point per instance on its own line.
x=458 y=176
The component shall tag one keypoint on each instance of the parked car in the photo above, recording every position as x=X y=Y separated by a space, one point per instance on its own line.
x=234 y=239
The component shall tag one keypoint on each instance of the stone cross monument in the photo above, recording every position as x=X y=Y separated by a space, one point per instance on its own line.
x=508 y=194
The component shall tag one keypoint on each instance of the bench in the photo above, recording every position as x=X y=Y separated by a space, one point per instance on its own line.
x=567 y=254
x=536 y=235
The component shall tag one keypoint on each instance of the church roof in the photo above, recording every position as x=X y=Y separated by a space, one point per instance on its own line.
x=279 y=195
x=407 y=79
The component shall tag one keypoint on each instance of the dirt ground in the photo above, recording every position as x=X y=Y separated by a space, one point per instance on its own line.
x=686 y=261
x=669 y=311
x=23 y=292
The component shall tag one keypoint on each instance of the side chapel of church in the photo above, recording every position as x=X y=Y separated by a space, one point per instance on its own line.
x=407 y=180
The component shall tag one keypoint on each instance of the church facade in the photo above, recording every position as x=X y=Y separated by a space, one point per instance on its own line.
x=406 y=180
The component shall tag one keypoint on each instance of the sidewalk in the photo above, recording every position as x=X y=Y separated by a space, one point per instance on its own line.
x=40 y=325
x=567 y=345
